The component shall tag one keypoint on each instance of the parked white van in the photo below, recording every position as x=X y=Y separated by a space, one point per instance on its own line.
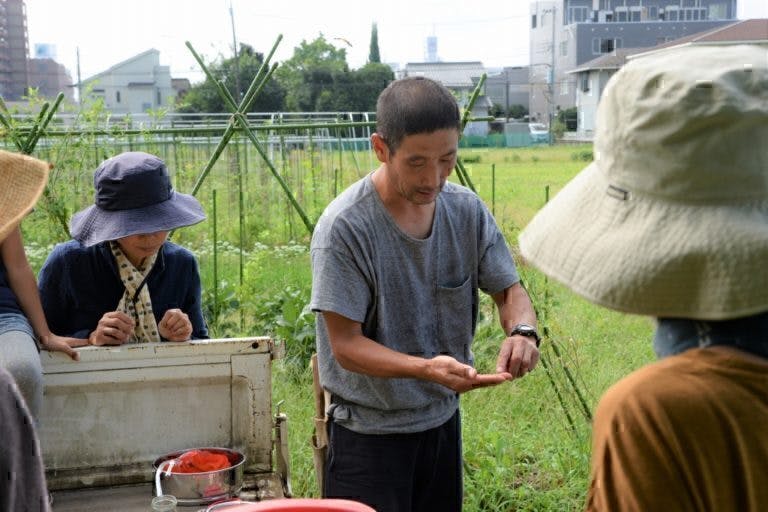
x=539 y=132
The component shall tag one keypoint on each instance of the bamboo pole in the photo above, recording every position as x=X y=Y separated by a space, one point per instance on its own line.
x=461 y=171
x=239 y=117
x=256 y=84
x=215 y=263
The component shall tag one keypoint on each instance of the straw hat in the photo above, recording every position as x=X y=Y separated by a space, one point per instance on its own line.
x=671 y=219
x=23 y=179
x=133 y=196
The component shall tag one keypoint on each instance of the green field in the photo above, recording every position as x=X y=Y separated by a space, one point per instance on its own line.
x=526 y=443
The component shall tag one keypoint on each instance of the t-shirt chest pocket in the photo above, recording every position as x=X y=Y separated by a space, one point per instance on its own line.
x=455 y=319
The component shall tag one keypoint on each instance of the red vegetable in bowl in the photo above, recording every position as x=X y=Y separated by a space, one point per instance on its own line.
x=200 y=461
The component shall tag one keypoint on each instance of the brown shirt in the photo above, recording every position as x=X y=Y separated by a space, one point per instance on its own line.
x=688 y=433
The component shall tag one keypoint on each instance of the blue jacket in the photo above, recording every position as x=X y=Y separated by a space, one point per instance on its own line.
x=79 y=284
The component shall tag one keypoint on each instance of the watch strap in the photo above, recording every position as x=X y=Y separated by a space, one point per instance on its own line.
x=526 y=330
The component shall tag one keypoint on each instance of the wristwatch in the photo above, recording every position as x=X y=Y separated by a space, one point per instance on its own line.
x=526 y=330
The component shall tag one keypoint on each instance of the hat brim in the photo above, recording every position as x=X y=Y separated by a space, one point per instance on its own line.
x=94 y=225
x=24 y=180
x=650 y=256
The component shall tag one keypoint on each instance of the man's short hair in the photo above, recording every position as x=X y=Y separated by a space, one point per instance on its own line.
x=415 y=105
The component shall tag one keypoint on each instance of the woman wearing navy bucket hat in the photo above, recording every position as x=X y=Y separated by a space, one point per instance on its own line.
x=120 y=280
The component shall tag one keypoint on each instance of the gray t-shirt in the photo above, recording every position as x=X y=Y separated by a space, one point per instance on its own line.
x=416 y=296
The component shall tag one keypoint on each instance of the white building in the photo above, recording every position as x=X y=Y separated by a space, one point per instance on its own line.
x=591 y=77
x=135 y=85
x=461 y=78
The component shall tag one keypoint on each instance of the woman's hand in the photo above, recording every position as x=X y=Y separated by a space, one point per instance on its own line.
x=54 y=343
x=114 y=328
x=175 y=326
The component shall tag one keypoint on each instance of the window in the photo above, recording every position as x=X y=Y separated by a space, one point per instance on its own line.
x=605 y=45
x=718 y=11
x=653 y=13
x=577 y=14
x=564 y=48
x=585 y=82
x=159 y=98
x=564 y=88
x=693 y=14
x=117 y=96
x=533 y=21
x=621 y=16
x=671 y=13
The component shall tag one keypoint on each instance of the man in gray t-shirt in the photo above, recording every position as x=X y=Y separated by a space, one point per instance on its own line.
x=397 y=262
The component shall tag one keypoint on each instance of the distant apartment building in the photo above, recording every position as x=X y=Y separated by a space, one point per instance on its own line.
x=567 y=33
x=508 y=87
x=50 y=78
x=133 y=86
x=181 y=87
x=14 y=50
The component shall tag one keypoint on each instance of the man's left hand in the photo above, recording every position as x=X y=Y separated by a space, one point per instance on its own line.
x=518 y=356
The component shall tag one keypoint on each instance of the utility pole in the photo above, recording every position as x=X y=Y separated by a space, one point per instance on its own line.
x=79 y=81
x=552 y=80
x=237 y=59
x=506 y=95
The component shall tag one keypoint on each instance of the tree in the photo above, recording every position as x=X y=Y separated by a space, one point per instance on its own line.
x=569 y=117
x=204 y=97
x=517 y=111
x=351 y=91
x=368 y=83
x=309 y=71
x=373 y=54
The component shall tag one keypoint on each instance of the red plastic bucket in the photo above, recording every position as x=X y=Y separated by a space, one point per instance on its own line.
x=291 y=505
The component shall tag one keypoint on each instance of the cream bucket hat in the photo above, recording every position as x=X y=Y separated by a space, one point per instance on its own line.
x=671 y=219
x=22 y=180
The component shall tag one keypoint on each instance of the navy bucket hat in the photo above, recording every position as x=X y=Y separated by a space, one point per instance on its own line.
x=133 y=196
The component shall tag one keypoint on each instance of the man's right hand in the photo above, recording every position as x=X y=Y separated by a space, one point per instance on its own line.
x=114 y=328
x=462 y=377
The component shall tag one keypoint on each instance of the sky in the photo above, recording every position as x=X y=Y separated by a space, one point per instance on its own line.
x=106 y=32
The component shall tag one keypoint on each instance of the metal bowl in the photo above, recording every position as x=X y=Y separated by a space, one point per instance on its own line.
x=200 y=488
